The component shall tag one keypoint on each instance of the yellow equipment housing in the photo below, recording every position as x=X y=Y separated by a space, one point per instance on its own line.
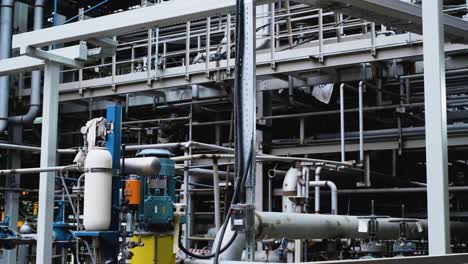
x=156 y=249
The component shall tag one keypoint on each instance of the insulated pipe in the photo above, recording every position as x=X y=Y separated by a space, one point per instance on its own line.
x=290 y=190
x=234 y=252
x=142 y=166
x=35 y=97
x=6 y=28
x=342 y=129
x=333 y=192
x=452 y=258
x=317 y=226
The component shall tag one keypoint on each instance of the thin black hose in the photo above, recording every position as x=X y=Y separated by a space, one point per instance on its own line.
x=188 y=253
x=234 y=198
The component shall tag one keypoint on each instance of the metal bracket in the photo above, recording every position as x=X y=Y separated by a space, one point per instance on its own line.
x=76 y=62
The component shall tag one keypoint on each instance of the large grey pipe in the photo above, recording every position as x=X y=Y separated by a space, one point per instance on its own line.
x=452 y=258
x=6 y=31
x=35 y=98
x=317 y=226
x=141 y=166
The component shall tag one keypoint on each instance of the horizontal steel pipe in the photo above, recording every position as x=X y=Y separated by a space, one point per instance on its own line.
x=37 y=170
x=398 y=190
x=203 y=173
x=34 y=149
x=452 y=258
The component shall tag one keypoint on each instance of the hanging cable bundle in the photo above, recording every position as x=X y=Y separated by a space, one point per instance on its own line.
x=240 y=171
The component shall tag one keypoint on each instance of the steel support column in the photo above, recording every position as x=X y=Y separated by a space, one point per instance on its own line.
x=436 y=128
x=248 y=113
x=48 y=159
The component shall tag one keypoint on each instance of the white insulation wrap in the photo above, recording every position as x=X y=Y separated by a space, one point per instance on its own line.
x=98 y=190
x=290 y=189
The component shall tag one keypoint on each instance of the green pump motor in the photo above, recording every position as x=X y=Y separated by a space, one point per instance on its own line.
x=158 y=191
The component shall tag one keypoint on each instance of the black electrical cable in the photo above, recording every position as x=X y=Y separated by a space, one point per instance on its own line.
x=240 y=171
x=219 y=250
x=238 y=168
x=238 y=186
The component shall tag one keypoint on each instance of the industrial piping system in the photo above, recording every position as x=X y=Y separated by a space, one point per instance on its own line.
x=6 y=26
x=317 y=226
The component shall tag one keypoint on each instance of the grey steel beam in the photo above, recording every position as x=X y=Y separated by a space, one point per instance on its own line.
x=76 y=62
x=34 y=59
x=371 y=145
x=10 y=66
x=163 y=14
x=296 y=60
x=48 y=159
x=396 y=14
x=436 y=128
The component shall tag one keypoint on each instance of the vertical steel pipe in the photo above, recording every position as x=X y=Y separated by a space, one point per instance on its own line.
x=217 y=204
x=334 y=197
x=342 y=128
x=318 y=170
x=333 y=193
x=35 y=97
x=361 y=121
x=6 y=31
x=186 y=187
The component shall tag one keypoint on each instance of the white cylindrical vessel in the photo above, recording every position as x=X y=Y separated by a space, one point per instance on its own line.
x=97 y=190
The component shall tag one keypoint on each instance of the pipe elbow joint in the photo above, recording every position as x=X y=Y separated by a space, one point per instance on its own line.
x=28 y=118
x=318 y=171
x=40 y=3
x=332 y=186
x=7 y=3
x=31 y=114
